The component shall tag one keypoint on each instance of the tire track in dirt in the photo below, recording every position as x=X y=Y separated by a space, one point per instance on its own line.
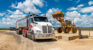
x=17 y=37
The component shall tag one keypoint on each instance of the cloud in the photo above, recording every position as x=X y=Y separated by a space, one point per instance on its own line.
x=72 y=8
x=15 y=14
x=50 y=12
x=84 y=21
x=76 y=8
x=73 y=14
x=78 y=1
x=38 y=2
x=2 y=14
x=86 y=9
x=29 y=6
x=13 y=5
x=81 y=5
x=18 y=12
x=7 y=22
x=9 y=11
x=50 y=18
x=82 y=10
x=22 y=7
x=10 y=19
x=43 y=15
x=80 y=20
x=90 y=2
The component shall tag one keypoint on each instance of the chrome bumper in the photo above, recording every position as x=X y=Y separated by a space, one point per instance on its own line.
x=48 y=36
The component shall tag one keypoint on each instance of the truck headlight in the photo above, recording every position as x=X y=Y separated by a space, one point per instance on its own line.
x=53 y=31
x=38 y=31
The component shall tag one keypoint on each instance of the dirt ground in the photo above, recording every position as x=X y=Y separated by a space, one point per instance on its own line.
x=9 y=40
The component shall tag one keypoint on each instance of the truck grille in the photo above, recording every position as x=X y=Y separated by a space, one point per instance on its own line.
x=47 y=29
x=44 y=29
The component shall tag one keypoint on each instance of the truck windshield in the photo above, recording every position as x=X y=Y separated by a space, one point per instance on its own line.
x=40 y=19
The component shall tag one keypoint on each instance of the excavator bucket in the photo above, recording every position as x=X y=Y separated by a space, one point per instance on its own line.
x=58 y=14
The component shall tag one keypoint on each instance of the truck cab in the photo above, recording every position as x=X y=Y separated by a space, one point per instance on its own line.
x=40 y=28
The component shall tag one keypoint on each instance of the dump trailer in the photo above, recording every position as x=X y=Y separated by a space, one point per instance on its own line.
x=66 y=25
x=35 y=27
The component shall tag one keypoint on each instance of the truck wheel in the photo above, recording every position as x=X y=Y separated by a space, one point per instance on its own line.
x=74 y=30
x=59 y=30
x=33 y=37
x=66 y=30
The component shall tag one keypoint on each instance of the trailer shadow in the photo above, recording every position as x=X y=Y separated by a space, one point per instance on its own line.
x=45 y=40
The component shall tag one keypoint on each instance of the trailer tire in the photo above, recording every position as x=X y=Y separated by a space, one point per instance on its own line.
x=59 y=30
x=24 y=34
x=18 y=32
x=74 y=30
x=66 y=30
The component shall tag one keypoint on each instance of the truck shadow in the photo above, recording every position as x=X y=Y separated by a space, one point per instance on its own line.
x=46 y=40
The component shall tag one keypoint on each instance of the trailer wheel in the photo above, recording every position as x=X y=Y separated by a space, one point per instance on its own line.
x=74 y=30
x=18 y=32
x=66 y=30
x=24 y=34
x=59 y=30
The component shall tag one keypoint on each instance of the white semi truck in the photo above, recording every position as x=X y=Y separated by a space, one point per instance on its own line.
x=35 y=27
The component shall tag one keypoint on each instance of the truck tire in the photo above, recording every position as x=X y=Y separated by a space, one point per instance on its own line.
x=66 y=30
x=59 y=30
x=33 y=37
x=74 y=30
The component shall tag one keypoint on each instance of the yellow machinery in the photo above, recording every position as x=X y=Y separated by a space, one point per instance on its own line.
x=67 y=25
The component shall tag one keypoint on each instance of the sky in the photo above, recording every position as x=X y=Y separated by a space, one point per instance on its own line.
x=79 y=11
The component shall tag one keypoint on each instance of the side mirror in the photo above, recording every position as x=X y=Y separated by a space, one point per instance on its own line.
x=35 y=23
